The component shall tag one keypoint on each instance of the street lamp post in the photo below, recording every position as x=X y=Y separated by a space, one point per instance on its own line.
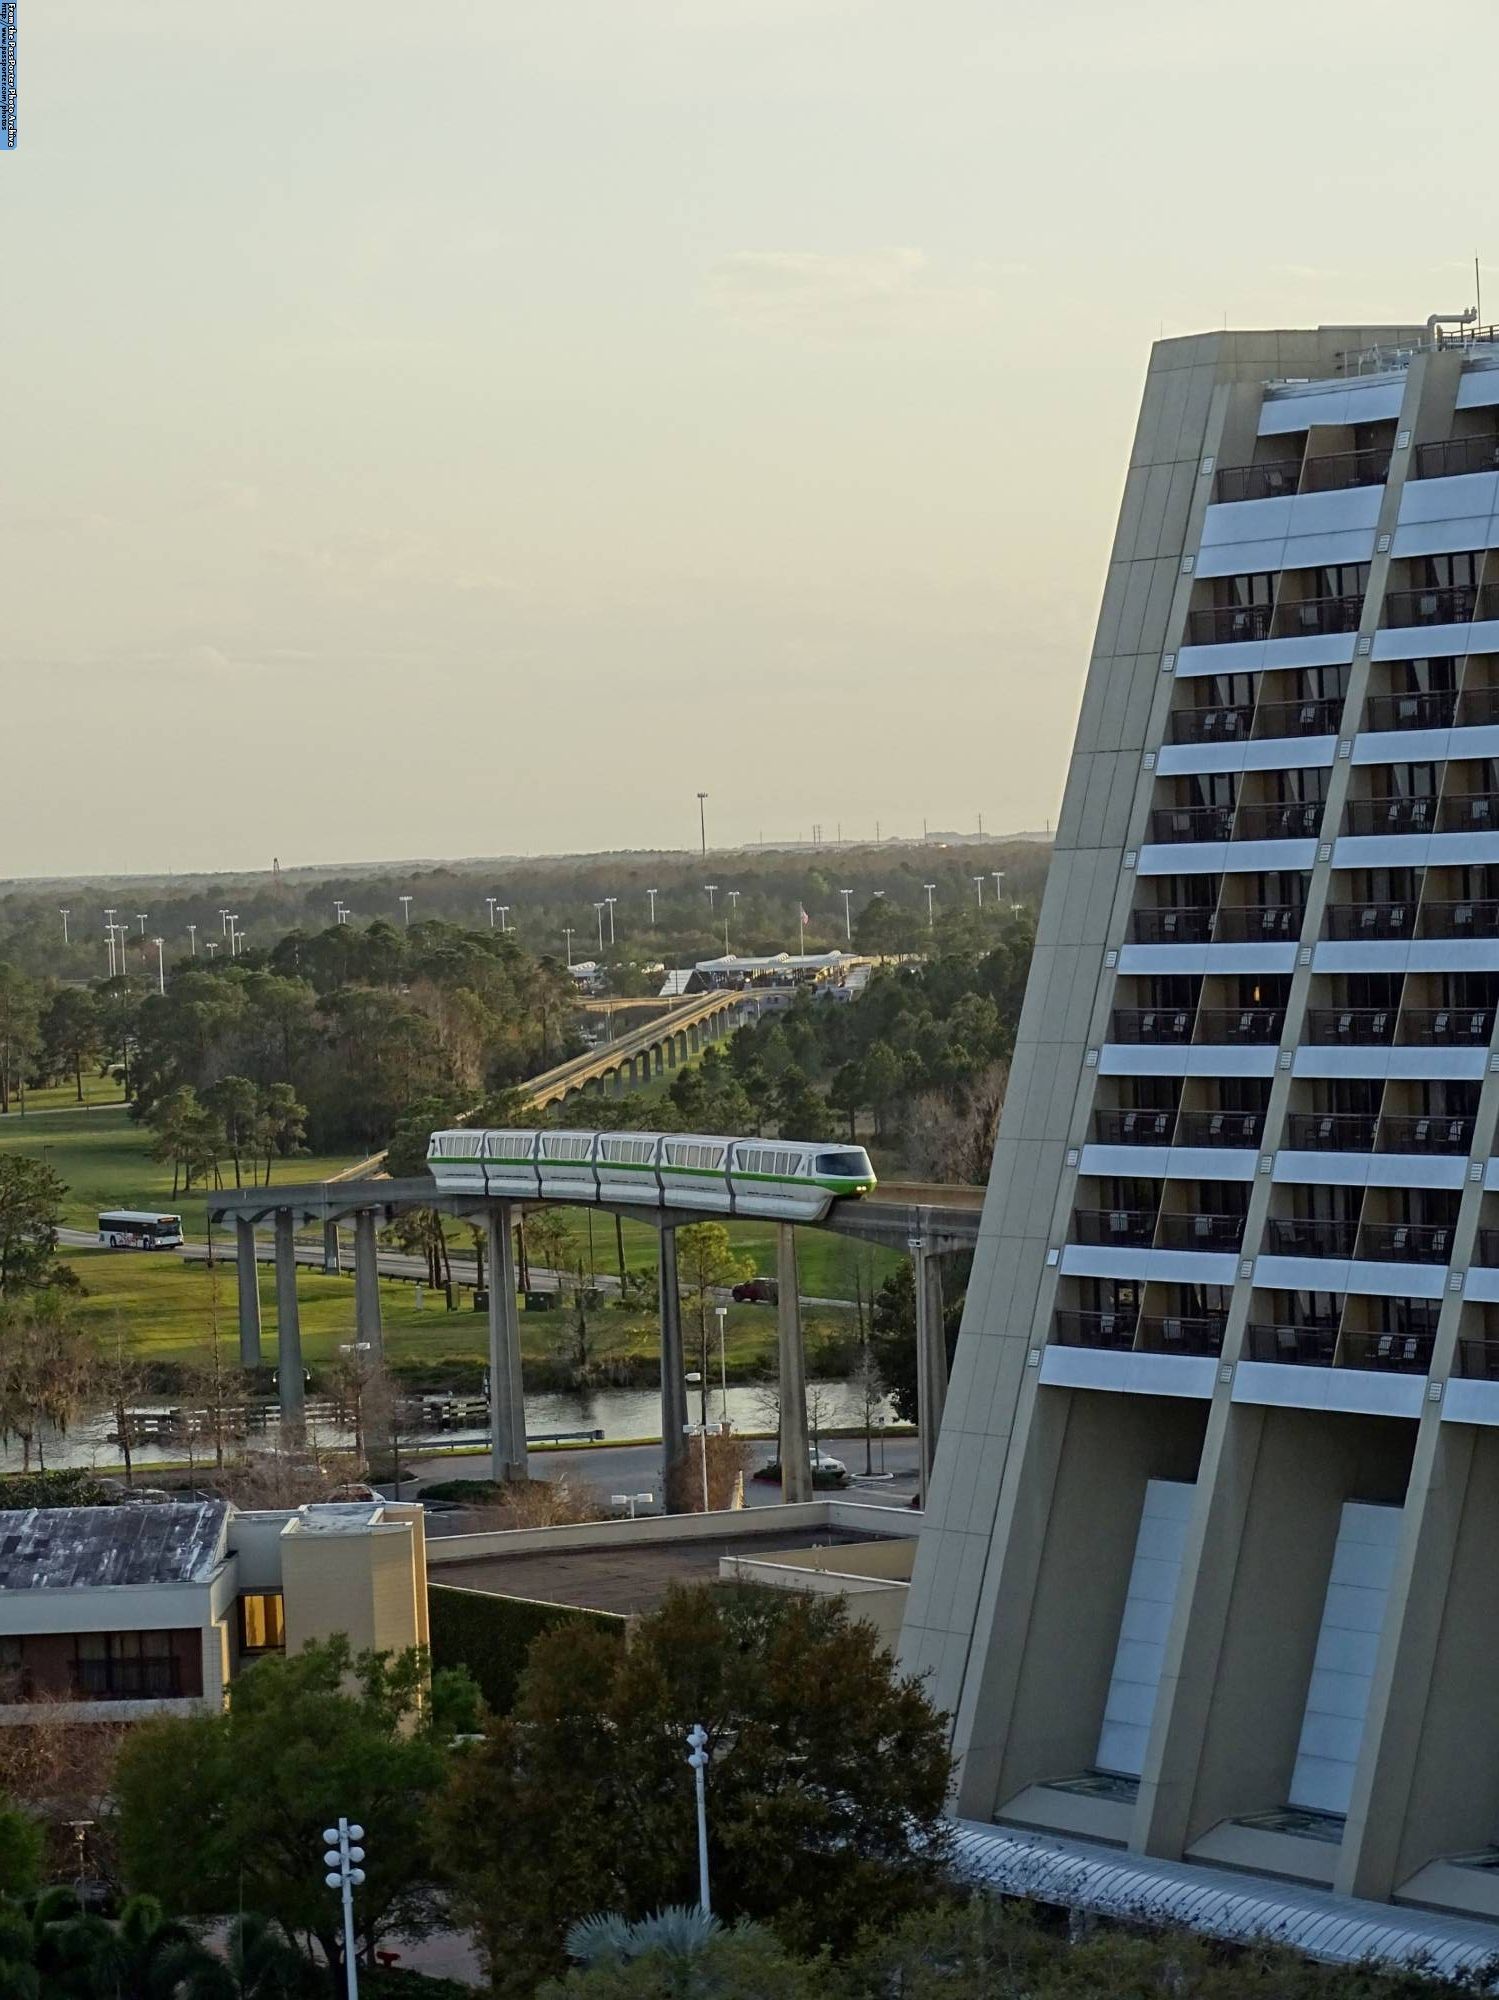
x=999 y=883
x=697 y=1742
x=930 y=919
x=140 y=918
x=161 y=966
x=491 y=900
x=405 y=903
x=210 y=945
x=978 y=883
x=848 y=922
x=723 y=1365
x=65 y=914
x=567 y=932
x=223 y=926
x=192 y=934
x=504 y=912
x=702 y=820
x=342 y=1857
x=653 y=894
x=598 y=911
x=610 y=901
x=712 y=889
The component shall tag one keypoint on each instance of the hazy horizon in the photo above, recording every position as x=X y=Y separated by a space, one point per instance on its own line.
x=473 y=432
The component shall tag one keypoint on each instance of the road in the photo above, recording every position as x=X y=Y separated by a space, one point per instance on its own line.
x=617 y=1468
x=393 y=1264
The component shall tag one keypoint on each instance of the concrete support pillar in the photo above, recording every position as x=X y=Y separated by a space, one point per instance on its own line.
x=795 y=1452
x=367 y=1284
x=507 y=1396
x=931 y=1356
x=291 y=1389
x=332 y=1262
x=673 y=1364
x=247 y=1274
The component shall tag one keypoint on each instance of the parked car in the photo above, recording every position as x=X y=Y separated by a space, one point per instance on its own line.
x=827 y=1471
x=756 y=1292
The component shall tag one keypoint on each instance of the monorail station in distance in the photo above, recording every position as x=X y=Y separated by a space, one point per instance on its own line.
x=1207 y=1576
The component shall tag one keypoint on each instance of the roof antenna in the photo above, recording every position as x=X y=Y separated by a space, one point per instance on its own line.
x=1477 y=293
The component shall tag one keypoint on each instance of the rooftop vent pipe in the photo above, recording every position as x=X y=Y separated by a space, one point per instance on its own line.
x=1465 y=318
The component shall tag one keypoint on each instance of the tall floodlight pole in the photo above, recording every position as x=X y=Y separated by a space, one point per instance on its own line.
x=504 y=909
x=712 y=889
x=567 y=932
x=405 y=903
x=848 y=922
x=109 y=946
x=978 y=883
x=697 y=1743
x=999 y=883
x=598 y=911
x=930 y=919
x=65 y=914
x=702 y=820
x=161 y=966
x=210 y=945
x=223 y=924
x=140 y=918
x=192 y=933
x=491 y=900
x=611 y=901
x=653 y=894
x=342 y=1857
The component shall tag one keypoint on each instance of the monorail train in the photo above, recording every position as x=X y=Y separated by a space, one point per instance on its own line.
x=785 y=1178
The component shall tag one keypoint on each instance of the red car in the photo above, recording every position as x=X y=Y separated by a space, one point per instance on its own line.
x=755 y=1292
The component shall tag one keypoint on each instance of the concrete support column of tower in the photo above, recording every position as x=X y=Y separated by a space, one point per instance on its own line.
x=332 y=1261
x=367 y=1325
x=507 y=1395
x=673 y=1365
x=247 y=1273
x=795 y=1454
x=291 y=1387
x=931 y=1355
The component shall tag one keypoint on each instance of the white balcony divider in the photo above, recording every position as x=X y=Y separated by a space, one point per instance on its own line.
x=1337 y=1699
x=1153 y=1581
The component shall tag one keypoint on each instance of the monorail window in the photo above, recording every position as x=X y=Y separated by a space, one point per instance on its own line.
x=845 y=1165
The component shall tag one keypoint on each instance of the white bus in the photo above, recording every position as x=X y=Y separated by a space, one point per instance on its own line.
x=140 y=1229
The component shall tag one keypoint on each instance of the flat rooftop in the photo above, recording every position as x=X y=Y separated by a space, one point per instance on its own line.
x=635 y=1576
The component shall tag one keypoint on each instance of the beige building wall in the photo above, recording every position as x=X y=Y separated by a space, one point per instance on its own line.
x=363 y=1584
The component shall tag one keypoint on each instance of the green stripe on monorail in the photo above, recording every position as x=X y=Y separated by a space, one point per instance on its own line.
x=835 y=1184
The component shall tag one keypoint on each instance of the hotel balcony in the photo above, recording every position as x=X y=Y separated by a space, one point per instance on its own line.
x=1370 y=920
x=1331 y=1131
x=1319 y=716
x=1437 y=604
x=1190 y=924
x=1225 y=625
x=1289 y=819
x=1252 y=1026
x=1167 y=1335
x=1305 y=617
x=1227 y=724
x=1468 y=812
x=1132 y=1128
x=1303 y=1346
x=1394 y=1353
x=1338 y=471
x=1277 y=480
x=1132 y=1228
x=1311 y=1236
x=1354 y=1027
x=1432 y=710
x=1150 y=1025
x=1426 y=1134
x=1404 y=1243
x=1095 y=1329
x=1390 y=815
x=1169 y=824
x=1237 y=923
x=1457 y=456
x=1458 y=920
x=1233 y=1129
x=1446 y=1027
x=1199 y=1232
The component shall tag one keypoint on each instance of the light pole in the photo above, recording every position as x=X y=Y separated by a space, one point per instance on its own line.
x=723 y=1366
x=338 y=911
x=697 y=1743
x=491 y=900
x=930 y=919
x=65 y=914
x=192 y=932
x=978 y=883
x=223 y=926
x=712 y=889
x=140 y=918
x=210 y=945
x=504 y=909
x=161 y=966
x=653 y=894
x=999 y=883
x=236 y=935
x=631 y=1500
x=848 y=922
x=405 y=903
x=342 y=1858
x=598 y=911
x=567 y=932
x=610 y=901
x=702 y=820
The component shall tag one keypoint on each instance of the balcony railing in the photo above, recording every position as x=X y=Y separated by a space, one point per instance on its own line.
x=1455 y=456
x=1404 y=1243
x=1133 y=1128
x=1480 y=1358
x=1150 y=1025
x=1304 y=1346
x=1354 y=1027
x=1183 y=1336
x=1312 y=1236
x=1332 y=1131
x=1180 y=823
x=1395 y=1353
x=1442 y=604
x=1336 y=471
x=1469 y=812
x=1370 y=920
x=127 y=1680
x=1488 y=1249
x=1095 y=1329
x=1220 y=1128
x=1191 y=925
x=1291 y=819
x=1318 y=717
x=1430 y=710
x=1224 y=625
x=1271 y=924
x=1425 y=1135
x=1200 y=1232
x=1253 y=1025
x=1397 y=815
x=1478 y=707
x=1211 y=725
x=1446 y=1027
x=1303 y=617
x=1276 y=481
x=1131 y=1226
x=1459 y=919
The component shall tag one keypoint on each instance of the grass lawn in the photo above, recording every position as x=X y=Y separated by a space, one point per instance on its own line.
x=64 y=1097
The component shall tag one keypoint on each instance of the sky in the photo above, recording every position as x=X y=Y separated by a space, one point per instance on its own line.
x=477 y=426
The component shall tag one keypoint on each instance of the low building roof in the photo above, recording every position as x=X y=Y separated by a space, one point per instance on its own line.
x=77 y=1548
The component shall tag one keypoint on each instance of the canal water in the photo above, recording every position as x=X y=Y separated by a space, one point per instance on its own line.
x=618 y=1413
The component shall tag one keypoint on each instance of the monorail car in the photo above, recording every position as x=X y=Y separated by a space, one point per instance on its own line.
x=784 y=1178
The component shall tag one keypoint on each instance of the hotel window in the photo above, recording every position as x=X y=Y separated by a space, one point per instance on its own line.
x=262 y=1622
